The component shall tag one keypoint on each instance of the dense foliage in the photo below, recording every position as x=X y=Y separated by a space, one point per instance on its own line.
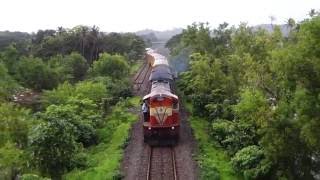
x=108 y=65
x=260 y=93
x=74 y=78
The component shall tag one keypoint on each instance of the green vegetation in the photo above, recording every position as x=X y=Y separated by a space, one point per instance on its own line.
x=78 y=80
x=34 y=73
x=104 y=159
x=108 y=65
x=213 y=161
x=254 y=94
x=7 y=84
x=134 y=69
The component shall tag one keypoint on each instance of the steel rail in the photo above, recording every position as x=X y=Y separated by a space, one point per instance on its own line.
x=173 y=160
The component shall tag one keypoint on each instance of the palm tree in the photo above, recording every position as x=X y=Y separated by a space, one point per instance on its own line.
x=93 y=36
x=272 y=19
x=312 y=12
x=291 y=23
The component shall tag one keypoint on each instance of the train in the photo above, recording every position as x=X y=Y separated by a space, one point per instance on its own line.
x=163 y=122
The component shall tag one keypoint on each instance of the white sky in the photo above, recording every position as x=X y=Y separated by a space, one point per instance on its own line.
x=133 y=15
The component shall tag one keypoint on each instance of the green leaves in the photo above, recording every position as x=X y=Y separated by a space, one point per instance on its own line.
x=76 y=66
x=87 y=41
x=252 y=108
x=94 y=91
x=53 y=145
x=7 y=84
x=114 y=66
x=14 y=124
x=252 y=162
x=260 y=91
x=34 y=73
x=11 y=161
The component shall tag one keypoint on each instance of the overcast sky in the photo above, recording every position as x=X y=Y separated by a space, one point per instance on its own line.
x=133 y=15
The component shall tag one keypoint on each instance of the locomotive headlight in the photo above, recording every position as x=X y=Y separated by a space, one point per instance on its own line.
x=149 y=128
x=172 y=127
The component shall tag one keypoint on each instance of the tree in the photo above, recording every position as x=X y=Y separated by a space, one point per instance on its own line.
x=114 y=66
x=53 y=146
x=34 y=73
x=7 y=84
x=174 y=43
x=11 y=161
x=291 y=23
x=312 y=12
x=87 y=41
x=82 y=114
x=10 y=58
x=272 y=19
x=77 y=66
x=197 y=37
x=14 y=125
x=260 y=91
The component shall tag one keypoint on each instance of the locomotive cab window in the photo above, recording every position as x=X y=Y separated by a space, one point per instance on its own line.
x=160 y=98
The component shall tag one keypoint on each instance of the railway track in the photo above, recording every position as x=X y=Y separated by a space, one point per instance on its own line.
x=140 y=78
x=162 y=164
x=137 y=75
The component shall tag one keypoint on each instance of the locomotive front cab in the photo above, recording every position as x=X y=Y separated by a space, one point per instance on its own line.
x=164 y=112
x=163 y=122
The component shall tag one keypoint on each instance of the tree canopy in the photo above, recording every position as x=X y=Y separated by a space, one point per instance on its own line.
x=260 y=91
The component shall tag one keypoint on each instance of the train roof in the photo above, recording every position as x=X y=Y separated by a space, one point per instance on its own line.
x=159 y=61
x=160 y=89
x=161 y=72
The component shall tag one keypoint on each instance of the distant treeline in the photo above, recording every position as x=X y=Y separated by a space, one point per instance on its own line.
x=88 y=41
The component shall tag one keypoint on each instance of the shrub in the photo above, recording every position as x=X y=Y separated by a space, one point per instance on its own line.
x=251 y=161
x=59 y=95
x=94 y=91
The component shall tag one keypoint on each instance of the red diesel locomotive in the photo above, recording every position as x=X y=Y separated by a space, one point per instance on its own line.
x=163 y=122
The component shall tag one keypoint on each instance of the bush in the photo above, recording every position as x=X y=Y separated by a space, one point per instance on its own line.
x=115 y=88
x=59 y=95
x=94 y=91
x=79 y=116
x=251 y=161
x=221 y=129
